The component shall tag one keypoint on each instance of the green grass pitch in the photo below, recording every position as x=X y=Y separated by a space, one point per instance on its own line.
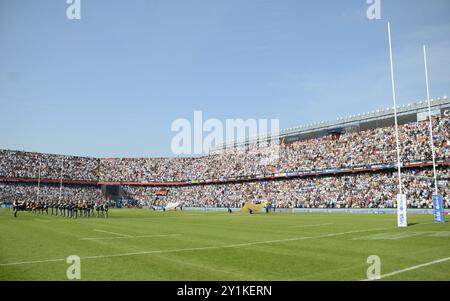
x=139 y=244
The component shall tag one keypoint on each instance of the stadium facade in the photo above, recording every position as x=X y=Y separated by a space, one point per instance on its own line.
x=412 y=112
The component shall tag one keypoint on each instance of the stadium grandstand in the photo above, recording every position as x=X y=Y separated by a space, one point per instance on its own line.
x=349 y=163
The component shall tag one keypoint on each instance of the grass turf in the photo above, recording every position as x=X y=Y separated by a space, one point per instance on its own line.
x=139 y=244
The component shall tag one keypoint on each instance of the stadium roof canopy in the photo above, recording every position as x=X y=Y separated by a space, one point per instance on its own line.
x=412 y=112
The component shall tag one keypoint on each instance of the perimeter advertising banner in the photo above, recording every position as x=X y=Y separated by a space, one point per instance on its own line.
x=439 y=216
x=402 y=218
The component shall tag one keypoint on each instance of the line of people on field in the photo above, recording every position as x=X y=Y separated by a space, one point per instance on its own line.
x=71 y=209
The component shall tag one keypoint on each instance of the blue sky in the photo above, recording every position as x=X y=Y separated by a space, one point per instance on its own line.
x=110 y=84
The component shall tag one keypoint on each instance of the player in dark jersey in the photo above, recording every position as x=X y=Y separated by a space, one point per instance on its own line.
x=54 y=208
x=90 y=209
x=16 y=207
x=84 y=208
x=63 y=208
x=45 y=207
x=97 y=208
x=74 y=209
x=105 y=209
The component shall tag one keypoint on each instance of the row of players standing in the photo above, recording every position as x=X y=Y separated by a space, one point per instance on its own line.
x=66 y=209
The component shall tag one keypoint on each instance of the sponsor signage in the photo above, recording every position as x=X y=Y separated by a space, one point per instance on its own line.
x=439 y=216
x=161 y=192
x=292 y=173
x=445 y=112
x=402 y=220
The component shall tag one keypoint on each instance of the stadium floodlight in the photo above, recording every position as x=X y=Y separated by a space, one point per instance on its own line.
x=445 y=97
x=401 y=198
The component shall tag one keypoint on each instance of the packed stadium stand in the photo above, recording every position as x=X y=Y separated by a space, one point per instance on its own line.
x=349 y=163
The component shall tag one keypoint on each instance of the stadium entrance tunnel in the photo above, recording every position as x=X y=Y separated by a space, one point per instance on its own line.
x=111 y=192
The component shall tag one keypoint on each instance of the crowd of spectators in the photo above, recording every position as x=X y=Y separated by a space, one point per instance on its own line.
x=31 y=192
x=374 y=146
x=365 y=190
x=351 y=149
x=19 y=164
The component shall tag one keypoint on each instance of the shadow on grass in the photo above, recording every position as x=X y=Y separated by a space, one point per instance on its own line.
x=414 y=224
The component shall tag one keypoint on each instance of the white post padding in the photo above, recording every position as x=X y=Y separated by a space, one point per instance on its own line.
x=402 y=215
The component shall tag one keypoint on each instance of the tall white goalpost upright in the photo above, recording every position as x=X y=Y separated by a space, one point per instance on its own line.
x=61 y=178
x=430 y=120
x=39 y=182
x=437 y=199
x=402 y=220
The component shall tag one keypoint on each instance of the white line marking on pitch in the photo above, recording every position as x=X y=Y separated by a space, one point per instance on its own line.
x=127 y=237
x=119 y=234
x=410 y=269
x=200 y=248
